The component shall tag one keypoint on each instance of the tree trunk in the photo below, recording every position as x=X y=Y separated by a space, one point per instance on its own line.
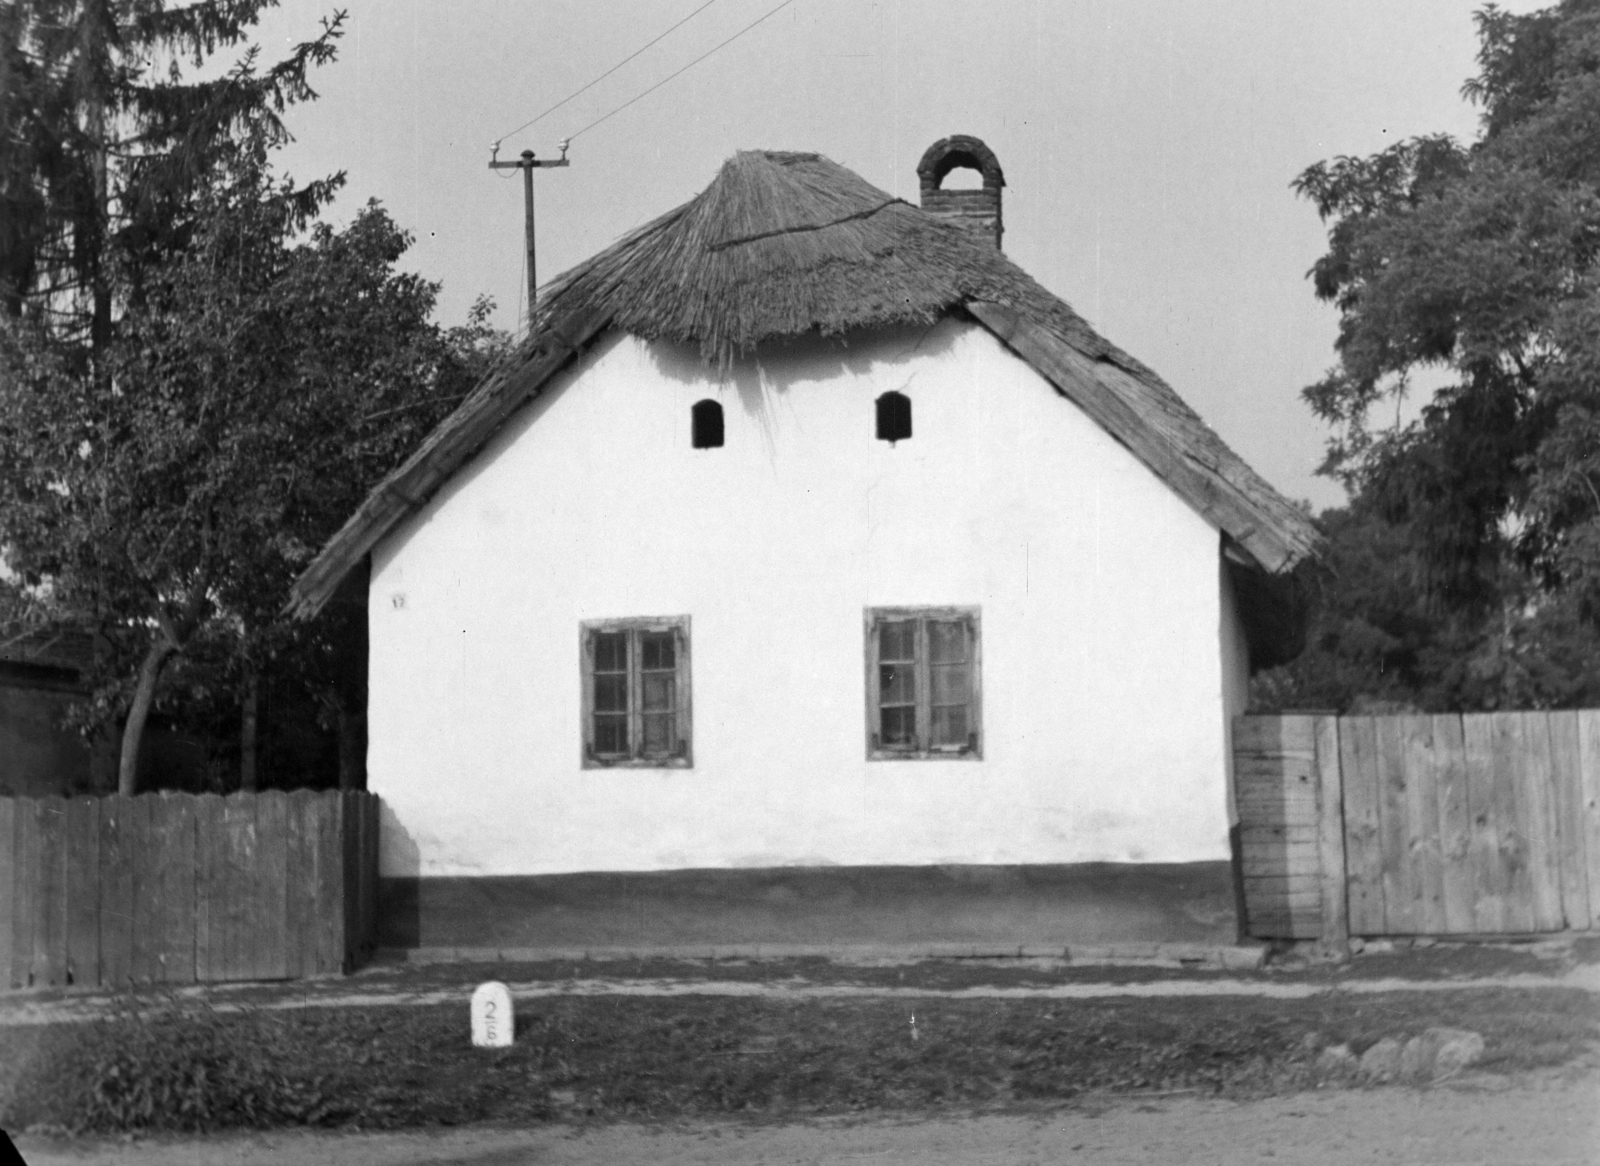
x=249 y=710
x=169 y=639
x=105 y=740
x=144 y=695
x=100 y=323
x=103 y=746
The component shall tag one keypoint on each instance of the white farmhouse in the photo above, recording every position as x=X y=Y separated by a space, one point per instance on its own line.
x=811 y=575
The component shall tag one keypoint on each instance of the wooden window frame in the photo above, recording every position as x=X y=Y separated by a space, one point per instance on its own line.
x=678 y=625
x=972 y=617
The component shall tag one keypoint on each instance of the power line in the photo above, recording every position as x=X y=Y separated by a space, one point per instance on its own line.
x=606 y=74
x=685 y=69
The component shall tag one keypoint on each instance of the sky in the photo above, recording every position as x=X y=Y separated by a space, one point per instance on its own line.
x=1148 y=146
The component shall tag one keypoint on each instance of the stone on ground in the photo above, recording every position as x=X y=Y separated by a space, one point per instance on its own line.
x=1381 y=1063
x=1436 y=1054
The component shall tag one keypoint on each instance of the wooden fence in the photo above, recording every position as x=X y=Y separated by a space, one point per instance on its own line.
x=1477 y=824
x=177 y=888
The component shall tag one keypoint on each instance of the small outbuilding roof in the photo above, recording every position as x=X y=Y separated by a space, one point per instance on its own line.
x=785 y=244
x=52 y=651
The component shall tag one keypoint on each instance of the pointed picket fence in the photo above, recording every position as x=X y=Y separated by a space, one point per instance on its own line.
x=177 y=888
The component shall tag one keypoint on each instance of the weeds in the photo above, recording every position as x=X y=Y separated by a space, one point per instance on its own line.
x=182 y=1066
x=177 y=1066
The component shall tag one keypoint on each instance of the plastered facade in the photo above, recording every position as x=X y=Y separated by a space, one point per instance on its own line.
x=1108 y=662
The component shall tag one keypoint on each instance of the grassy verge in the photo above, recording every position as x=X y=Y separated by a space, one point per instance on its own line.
x=185 y=1067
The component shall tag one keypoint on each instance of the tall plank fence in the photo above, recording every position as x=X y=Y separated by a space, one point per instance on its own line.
x=178 y=888
x=1475 y=824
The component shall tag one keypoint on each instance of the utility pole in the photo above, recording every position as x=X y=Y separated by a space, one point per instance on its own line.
x=527 y=164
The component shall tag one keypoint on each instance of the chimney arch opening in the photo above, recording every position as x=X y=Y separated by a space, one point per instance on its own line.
x=962 y=178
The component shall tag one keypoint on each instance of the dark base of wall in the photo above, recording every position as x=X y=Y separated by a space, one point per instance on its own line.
x=996 y=907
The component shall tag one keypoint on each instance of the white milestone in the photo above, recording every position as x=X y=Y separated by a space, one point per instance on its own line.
x=492 y=1021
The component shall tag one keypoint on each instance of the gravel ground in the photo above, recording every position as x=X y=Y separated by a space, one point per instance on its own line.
x=24 y=1012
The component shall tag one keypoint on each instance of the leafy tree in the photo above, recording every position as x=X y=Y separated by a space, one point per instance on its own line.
x=1376 y=643
x=259 y=387
x=1474 y=264
x=193 y=392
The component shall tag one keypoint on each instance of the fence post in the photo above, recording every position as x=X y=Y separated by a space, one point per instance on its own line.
x=8 y=893
x=173 y=830
x=50 y=892
x=1566 y=764
x=270 y=883
x=1335 y=938
x=142 y=817
x=83 y=891
x=240 y=906
x=1455 y=821
x=350 y=868
x=1536 y=776
x=116 y=891
x=330 y=889
x=369 y=875
x=300 y=893
x=208 y=949
x=1589 y=804
x=1363 y=858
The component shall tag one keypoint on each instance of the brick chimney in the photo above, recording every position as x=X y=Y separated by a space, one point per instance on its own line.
x=977 y=210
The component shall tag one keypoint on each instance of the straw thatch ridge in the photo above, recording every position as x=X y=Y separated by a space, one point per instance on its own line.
x=782 y=244
x=785 y=244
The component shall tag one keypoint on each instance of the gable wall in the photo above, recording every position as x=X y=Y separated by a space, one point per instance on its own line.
x=1103 y=690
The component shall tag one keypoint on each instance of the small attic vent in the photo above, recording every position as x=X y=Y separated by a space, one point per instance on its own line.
x=976 y=210
x=706 y=424
x=894 y=417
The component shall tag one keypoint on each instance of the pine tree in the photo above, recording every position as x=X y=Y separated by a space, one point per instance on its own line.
x=112 y=121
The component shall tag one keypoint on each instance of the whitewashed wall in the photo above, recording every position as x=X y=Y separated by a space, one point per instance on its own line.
x=1106 y=679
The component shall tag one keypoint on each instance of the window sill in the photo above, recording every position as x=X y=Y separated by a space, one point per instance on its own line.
x=925 y=755
x=638 y=763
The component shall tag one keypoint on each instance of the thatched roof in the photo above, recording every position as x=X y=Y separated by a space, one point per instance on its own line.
x=785 y=244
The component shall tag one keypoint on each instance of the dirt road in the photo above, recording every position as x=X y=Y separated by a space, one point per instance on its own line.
x=1550 y=1119
x=30 y=1008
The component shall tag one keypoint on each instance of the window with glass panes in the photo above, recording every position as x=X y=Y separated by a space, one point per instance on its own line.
x=922 y=682
x=636 y=692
